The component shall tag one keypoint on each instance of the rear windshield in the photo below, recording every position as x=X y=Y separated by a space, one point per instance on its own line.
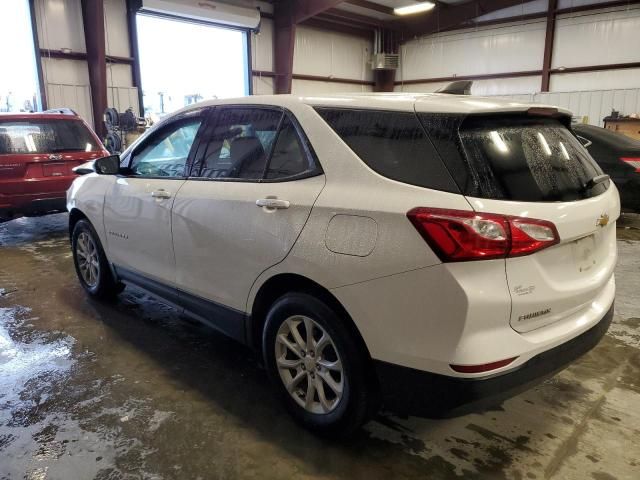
x=394 y=144
x=45 y=136
x=520 y=158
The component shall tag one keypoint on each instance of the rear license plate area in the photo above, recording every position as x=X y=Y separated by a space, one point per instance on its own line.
x=54 y=170
x=584 y=253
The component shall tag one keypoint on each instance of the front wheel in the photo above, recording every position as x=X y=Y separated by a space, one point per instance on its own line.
x=316 y=365
x=91 y=263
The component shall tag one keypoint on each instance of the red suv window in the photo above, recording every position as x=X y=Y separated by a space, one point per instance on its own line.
x=45 y=136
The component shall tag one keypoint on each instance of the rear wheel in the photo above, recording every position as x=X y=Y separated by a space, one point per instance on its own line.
x=91 y=263
x=316 y=365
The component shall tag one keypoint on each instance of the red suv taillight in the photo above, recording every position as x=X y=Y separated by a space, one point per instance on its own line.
x=632 y=162
x=459 y=235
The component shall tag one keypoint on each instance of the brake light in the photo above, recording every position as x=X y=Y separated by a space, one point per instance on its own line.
x=632 y=162
x=459 y=235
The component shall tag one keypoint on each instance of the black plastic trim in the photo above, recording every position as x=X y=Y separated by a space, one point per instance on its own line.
x=225 y=319
x=36 y=207
x=415 y=392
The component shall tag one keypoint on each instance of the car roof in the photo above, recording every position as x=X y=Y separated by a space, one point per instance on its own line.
x=4 y=116
x=398 y=101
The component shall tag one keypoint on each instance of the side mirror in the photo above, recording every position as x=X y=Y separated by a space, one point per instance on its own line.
x=85 y=168
x=107 y=165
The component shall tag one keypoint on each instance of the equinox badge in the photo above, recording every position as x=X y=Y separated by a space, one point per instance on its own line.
x=531 y=315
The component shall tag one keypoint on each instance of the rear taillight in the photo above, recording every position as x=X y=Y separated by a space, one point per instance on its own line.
x=459 y=235
x=632 y=162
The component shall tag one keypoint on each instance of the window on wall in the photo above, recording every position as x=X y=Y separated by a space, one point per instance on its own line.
x=19 y=90
x=182 y=62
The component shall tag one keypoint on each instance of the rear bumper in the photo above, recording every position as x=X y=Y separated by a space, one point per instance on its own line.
x=35 y=206
x=415 y=392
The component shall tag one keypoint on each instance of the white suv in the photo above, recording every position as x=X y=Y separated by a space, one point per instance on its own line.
x=423 y=252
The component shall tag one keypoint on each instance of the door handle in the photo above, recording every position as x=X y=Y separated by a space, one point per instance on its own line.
x=272 y=203
x=160 y=194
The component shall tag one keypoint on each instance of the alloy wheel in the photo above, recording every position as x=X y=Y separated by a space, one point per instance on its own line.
x=309 y=364
x=88 y=260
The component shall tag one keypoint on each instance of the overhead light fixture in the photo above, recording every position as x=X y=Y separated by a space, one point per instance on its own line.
x=416 y=8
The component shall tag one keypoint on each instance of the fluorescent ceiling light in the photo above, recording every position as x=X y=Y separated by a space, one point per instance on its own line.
x=417 y=8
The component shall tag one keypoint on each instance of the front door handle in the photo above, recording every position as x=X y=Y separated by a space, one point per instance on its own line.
x=160 y=194
x=272 y=203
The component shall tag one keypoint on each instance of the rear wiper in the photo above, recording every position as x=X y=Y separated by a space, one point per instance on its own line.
x=598 y=179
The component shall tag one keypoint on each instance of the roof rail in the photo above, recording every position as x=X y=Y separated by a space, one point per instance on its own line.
x=62 y=111
x=460 y=87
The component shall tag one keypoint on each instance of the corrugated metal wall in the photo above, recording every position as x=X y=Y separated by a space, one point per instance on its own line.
x=262 y=57
x=330 y=54
x=517 y=47
x=600 y=37
x=60 y=27
x=318 y=53
x=590 y=106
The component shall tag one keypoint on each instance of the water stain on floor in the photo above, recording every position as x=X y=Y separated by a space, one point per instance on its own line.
x=133 y=390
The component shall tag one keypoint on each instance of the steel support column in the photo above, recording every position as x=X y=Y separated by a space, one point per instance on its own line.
x=548 y=45
x=94 y=35
x=287 y=14
x=283 y=45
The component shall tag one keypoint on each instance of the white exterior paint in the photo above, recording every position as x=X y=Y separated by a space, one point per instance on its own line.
x=410 y=308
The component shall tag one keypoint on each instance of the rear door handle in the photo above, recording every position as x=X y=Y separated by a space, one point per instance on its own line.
x=272 y=203
x=160 y=194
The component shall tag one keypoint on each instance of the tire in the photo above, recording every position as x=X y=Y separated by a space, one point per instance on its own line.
x=96 y=278
x=342 y=413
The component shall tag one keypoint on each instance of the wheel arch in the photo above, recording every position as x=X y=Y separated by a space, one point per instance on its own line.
x=283 y=283
x=75 y=215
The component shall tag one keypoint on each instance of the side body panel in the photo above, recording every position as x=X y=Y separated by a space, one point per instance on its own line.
x=87 y=195
x=138 y=226
x=223 y=241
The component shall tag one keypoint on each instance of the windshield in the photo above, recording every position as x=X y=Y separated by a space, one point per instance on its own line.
x=45 y=136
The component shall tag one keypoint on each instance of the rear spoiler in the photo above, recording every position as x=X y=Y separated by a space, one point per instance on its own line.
x=62 y=111
x=460 y=87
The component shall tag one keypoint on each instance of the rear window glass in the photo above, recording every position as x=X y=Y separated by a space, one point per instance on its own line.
x=393 y=144
x=45 y=136
x=514 y=158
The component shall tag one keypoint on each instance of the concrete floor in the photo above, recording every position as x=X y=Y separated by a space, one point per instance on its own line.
x=131 y=390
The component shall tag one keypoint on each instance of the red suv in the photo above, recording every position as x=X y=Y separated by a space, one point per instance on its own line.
x=37 y=154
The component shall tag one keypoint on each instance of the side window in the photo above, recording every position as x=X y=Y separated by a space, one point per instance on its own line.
x=288 y=157
x=240 y=143
x=165 y=154
x=393 y=144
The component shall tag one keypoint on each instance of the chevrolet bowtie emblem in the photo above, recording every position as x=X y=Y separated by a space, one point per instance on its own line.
x=603 y=221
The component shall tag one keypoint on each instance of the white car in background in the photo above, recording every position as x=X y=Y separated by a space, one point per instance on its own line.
x=425 y=252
